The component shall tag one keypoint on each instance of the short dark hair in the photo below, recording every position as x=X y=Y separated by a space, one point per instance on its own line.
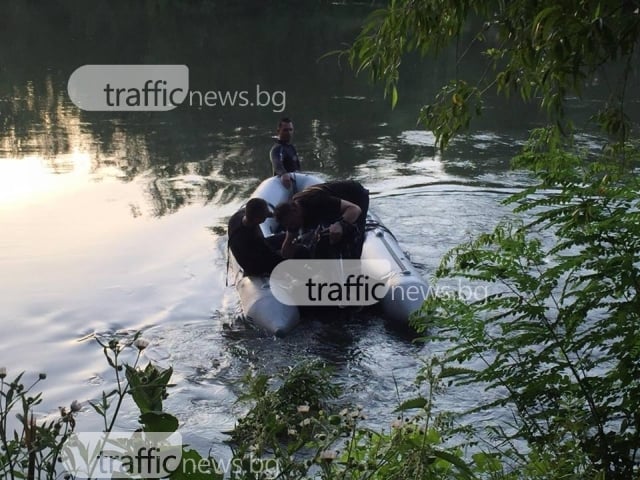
x=283 y=120
x=255 y=208
x=282 y=212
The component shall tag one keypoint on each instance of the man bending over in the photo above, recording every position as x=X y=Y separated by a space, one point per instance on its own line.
x=339 y=206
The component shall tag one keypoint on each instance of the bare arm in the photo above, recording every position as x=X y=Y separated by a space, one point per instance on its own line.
x=350 y=213
x=276 y=160
x=278 y=166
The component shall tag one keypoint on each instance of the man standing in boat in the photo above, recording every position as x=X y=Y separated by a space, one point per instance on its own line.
x=284 y=157
x=246 y=241
x=340 y=206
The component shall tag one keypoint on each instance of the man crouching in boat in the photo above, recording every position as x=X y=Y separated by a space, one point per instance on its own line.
x=246 y=241
x=336 y=209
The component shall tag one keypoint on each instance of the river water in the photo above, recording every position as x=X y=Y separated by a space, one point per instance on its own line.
x=113 y=222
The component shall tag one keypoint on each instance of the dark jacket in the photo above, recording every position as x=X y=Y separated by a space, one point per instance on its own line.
x=284 y=158
x=249 y=247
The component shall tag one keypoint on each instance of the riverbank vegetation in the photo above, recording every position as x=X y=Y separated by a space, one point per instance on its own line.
x=296 y=425
x=556 y=340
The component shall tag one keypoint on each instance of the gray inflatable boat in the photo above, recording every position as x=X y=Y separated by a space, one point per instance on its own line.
x=406 y=289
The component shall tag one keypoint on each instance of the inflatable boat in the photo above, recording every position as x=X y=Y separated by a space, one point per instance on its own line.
x=405 y=289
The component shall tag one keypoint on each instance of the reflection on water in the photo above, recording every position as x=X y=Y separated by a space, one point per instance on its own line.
x=113 y=222
x=191 y=154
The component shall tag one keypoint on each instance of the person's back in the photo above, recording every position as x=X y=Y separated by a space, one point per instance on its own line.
x=321 y=202
x=246 y=241
x=321 y=206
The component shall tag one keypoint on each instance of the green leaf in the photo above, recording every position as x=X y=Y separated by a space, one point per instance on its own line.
x=418 y=402
x=159 y=422
x=148 y=386
x=97 y=408
x=456 y=462
x=394 y=96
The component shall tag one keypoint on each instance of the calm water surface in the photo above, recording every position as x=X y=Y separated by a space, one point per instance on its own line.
x=114 y=222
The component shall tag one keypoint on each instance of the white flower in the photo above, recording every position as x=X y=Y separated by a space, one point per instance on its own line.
x=305 y=422
x=292 y=431
x=76 y=406
x=328 y=455
x=397 y=423
x=303 y=408
x=141 y=344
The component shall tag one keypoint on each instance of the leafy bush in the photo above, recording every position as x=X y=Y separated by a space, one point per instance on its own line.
x=558 y=335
